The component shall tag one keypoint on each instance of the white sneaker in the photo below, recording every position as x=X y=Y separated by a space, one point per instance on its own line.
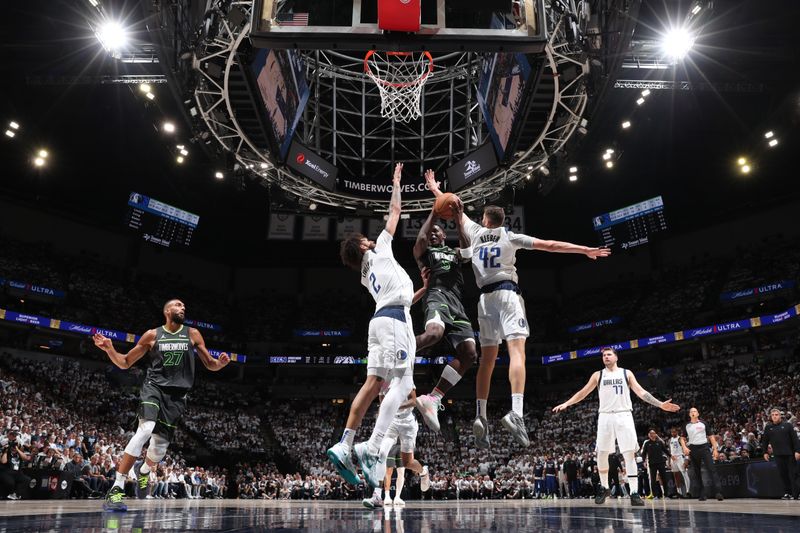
x=13 y=496
x=429 y=407
x=398 y=502
x=387 y=501
x=424 y=480
x=149 y=497
x=372 y=503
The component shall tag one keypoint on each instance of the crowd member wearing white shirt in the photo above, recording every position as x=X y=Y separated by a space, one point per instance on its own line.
x=501 y=309
x=391 y=344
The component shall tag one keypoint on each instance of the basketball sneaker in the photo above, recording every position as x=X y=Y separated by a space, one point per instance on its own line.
x=142 y=480
x=339 y=454
x=373 y=502
x=429 y=407
x=636 y=500
x=113 y=501
x=424 y=480
x=480 y=428
x=398 y=502
x=371 y=467
x=387 y=500
x=601 y=496
x=516 y=426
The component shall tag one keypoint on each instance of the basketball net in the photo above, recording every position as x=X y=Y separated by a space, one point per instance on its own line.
x=400 y=77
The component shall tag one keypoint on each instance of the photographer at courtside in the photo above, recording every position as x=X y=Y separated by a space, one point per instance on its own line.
x=12 y=480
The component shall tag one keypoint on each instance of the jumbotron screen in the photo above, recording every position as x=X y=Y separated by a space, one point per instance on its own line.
x=631 y=226
x=160 y=223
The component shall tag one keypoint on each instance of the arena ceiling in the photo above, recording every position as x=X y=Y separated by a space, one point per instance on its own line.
x=105 y=140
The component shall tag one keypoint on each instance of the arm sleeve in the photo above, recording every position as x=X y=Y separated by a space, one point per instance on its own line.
x=521 y=240
x=384 y=243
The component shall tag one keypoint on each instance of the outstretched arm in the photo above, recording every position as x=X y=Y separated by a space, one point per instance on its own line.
x=647 y=397
x=206 y=358
x=569 y=248
x=127 y=360
x=421 y=245
x=433 y=186
x=425 y=273
x=581 y=394
x=394 y=204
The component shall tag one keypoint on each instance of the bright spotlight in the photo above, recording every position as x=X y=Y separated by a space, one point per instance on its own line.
x=179 y=159
x=527 y=177
x=677 y=43
x=13 y=125
x=606 y=156
x=169 y=127
x=745 y=169
x=264 y=165
x=640 y=101
x=39 y=162
x=741 y=161
x=769 y=135
x=219 y=175
x=626 y=124
x=696 y=9
x=646 y=93
x=10 y=133
x=150 y=96
x=312 y=206
x=573 y=170
x=43 y=154
x=773 y=143
x=184 y=152
x=530 y=167
x=609 y=150
x=609 y=164
x=180 y=147
x=145 y=87
x=573 y=178
x=112 y=36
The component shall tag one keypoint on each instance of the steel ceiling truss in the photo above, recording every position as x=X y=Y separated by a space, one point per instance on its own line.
x=342 y=120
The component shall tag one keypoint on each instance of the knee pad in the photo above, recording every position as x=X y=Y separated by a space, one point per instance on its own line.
x=158 y=448
x=143 y=433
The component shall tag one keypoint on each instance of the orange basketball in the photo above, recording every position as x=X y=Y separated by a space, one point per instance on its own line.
x=443 y=206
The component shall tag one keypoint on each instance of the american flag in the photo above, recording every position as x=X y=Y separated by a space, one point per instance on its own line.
x=292 y=19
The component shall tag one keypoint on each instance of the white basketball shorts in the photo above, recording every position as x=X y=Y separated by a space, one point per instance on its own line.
x=501 y=316
x=617 y=427
x=391 y=345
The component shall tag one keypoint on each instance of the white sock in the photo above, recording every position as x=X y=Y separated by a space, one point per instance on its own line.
x=119 y=481
x=516 y=403
x=401 y=479
x=347 y=437
x=482 y=408
x=436 y=393
x=145 y=468
x=377 y=493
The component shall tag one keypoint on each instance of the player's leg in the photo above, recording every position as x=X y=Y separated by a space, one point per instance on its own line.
x=387 y=485
x=480 y=427
x=606 y=439
x=626 y=436
x=434 y=327
x=515 y=330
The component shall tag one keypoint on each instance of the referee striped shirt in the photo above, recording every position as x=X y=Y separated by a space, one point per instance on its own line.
x=697 y=433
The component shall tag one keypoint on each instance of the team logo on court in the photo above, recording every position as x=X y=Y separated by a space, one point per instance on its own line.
x=522 y=322
x=402 y=355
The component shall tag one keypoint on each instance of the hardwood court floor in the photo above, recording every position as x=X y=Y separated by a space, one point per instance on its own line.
x=424 y=517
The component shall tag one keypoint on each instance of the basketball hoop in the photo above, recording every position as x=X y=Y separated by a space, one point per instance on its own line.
x=400 y=77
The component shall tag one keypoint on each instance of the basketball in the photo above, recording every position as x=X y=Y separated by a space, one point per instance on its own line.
x=443 y=206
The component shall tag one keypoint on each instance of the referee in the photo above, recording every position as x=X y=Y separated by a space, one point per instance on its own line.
x=698 y=436
x=781 y=436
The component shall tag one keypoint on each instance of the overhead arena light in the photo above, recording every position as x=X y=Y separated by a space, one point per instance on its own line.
x=609 y=164
x=312 y=206
x=38 y=162
x=10 y=134
x=640 y=101
x=150 y=96
x=767 y=135
x=13 y=125
x=184 y=153
x=573 y=170
x=677 y=43
x=745 y=169
x=741 y=161
x=573 y=178
x=646 y=93
x=773 y=143
x=179 y=159
x=626 y=124
x=112 y=36
x=169 y=127
x=219 y=175
x=264 y=165
x=145 y=87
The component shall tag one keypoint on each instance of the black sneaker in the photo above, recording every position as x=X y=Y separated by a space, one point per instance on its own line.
x=515 y=425
x=142 y=481
x=636 y=500
x=601 y=496
x=701 y=499
x=720 y=497
x=786 y=497
x=113 y=501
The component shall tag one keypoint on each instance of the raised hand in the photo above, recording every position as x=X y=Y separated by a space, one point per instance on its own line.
x=430 y=179
x=594 y=253
x=102 y=342
x=398 y=169
x=457 y=207
x=670 y=407
x=224 y=359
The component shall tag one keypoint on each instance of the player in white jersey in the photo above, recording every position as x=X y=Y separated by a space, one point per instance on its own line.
x=391 y=344
x=501 y=309
x=404 y=429
x=678 y=462
x=615 y=419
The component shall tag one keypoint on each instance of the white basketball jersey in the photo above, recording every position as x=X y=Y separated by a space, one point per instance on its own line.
x=615 y=395
x=384 y=278
x=675 y=447
x=494 y=252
